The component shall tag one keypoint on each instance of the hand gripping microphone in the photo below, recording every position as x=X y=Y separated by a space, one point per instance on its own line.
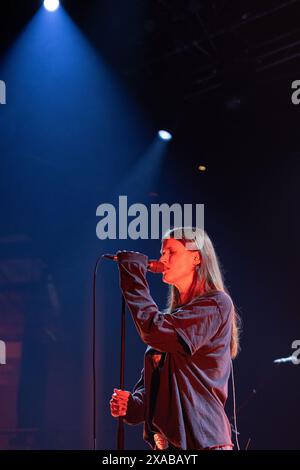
x=154 y=266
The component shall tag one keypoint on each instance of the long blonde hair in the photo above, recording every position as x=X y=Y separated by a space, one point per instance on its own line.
x=209 y=276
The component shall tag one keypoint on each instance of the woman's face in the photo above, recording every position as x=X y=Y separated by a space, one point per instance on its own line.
x=179 y=262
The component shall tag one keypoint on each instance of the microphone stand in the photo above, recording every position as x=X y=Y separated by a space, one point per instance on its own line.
x=120 y=436
x=154 y=266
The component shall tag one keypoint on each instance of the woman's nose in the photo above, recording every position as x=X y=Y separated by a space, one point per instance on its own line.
x=162 y=259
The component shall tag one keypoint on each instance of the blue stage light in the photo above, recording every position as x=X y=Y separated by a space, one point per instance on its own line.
x=51 y=5
x=165 y=135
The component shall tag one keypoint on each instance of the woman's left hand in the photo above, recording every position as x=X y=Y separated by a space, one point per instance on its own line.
x=161 y=442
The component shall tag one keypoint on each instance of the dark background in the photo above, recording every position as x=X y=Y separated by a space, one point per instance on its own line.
x=87 y=89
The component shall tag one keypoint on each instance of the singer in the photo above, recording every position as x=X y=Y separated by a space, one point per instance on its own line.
x=182 y=391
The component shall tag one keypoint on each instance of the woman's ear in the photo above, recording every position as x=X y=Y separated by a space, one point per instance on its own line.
x=197 y=258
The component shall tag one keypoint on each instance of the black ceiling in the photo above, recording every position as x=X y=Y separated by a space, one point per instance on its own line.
x=175 y=54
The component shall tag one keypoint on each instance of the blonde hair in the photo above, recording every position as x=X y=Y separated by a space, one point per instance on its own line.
x=209 y=276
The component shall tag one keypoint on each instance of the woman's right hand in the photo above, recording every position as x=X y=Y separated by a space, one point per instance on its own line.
x=118 y=402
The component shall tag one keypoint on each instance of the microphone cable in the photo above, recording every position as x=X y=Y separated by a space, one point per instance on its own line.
x=94 y=379
x=234 y=408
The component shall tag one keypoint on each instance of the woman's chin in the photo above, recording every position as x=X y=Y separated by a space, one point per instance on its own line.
x=166 y=279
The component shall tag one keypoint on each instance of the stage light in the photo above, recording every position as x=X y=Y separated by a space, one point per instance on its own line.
x=165 y=135
x=51 y=5
x=201 y=167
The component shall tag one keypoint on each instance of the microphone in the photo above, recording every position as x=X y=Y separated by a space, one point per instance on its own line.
x=154 y=266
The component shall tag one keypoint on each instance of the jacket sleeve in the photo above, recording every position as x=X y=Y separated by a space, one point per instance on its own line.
x=185 y=331
x=136 y=403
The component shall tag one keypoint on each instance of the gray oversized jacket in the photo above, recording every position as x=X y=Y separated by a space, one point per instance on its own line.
x=184 y=397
